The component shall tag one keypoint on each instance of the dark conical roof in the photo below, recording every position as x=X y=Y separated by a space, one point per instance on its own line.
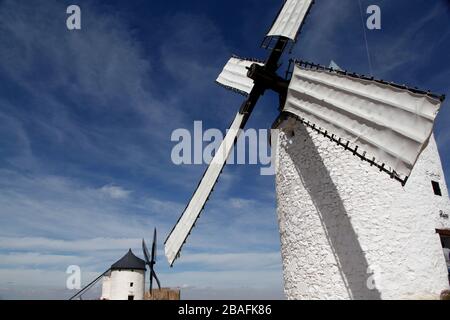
x=129 y=262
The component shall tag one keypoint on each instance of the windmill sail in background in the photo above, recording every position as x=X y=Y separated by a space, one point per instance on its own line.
x=150 y=261
x=334 y=66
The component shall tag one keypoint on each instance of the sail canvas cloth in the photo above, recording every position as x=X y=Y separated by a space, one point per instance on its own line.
x=290 y=19
x=234 y=75
x=190 y=215
x=388 y=123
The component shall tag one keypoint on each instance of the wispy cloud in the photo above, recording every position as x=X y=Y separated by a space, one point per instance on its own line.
x=115 y=192
x=37 y=259
x=41 y=244
x=234 y=261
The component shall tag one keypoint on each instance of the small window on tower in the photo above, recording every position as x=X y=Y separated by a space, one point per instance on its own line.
x=436 y=188
x=131 y=284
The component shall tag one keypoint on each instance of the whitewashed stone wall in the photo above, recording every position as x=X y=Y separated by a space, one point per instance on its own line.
x=350 y=232
x=106 y=288
x=116 y=286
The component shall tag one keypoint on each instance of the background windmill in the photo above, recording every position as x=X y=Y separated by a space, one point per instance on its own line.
x=150 y=261
x=125 y=279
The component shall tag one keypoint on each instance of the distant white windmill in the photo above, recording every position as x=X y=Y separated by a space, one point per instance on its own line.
x=125 y=279
x=384 y=127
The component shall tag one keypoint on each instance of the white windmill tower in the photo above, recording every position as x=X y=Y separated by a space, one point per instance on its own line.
x=348 y=230
x=125 y=279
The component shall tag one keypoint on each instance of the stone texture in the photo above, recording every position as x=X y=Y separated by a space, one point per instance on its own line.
x=350 y=232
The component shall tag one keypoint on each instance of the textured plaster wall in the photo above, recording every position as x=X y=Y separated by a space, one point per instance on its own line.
x=350 y=232
x=106 y=288
x=117 y=285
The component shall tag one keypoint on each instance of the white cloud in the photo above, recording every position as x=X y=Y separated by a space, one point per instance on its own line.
x=233 y=261
x=37 y=259
x=102 y=61
x=239 y=203
x=239 y=293
x=87 y=246
x=65 y=208
x=39 y=279
x=44 y=284
x=167 y=208
x=115 y=192
x=58 y=213
x=405 y=49
x=224 y=279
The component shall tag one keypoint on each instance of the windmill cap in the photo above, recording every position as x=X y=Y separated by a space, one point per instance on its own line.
x=129 y=262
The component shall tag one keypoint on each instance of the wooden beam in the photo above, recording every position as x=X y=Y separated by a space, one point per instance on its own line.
x=443 y=232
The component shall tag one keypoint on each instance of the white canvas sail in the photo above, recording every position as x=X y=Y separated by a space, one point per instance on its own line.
x=290 y=19
x=388 y=123
x=234 y=75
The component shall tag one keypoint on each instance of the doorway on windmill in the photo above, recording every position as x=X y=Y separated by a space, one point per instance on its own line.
x=130 y=298
x=445 y=241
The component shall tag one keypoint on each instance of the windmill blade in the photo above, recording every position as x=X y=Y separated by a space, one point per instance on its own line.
x=145 y=250
x=383 y=123
x=234 y=75
x=151 y=280
x=290 y=19
x=154 y=247
x=153 y=274
x=181 y=231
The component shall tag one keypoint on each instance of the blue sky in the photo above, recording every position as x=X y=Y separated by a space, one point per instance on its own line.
x=86 y=118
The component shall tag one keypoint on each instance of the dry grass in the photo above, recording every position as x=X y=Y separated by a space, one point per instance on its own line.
x=163 y=294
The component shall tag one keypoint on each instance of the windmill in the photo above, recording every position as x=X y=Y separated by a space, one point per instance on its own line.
x=382 y=123
x=150 y=261
x=125 y=279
